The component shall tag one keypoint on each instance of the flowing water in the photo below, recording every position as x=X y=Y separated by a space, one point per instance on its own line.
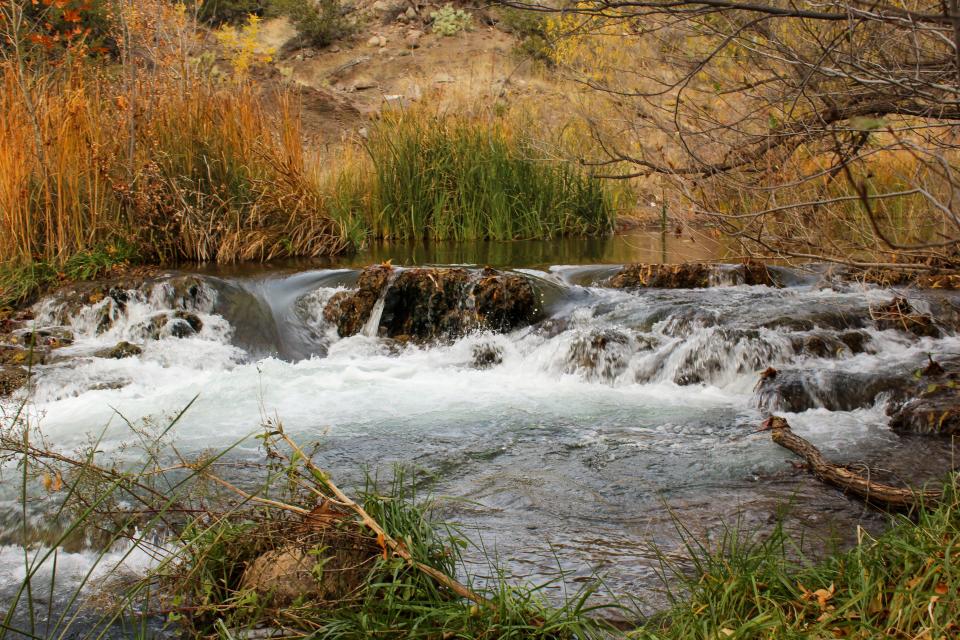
x=574 y=443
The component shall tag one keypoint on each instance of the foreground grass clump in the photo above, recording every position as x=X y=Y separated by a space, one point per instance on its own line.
x=904 y=583
x=460 y=178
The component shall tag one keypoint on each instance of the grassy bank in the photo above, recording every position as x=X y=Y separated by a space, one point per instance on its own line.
x=904 y=583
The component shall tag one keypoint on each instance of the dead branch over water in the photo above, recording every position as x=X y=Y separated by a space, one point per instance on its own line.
x=877 y=493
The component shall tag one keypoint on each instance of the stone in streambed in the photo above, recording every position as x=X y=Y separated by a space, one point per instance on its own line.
x=22 y=356
x=934 y=406
x=799 y=390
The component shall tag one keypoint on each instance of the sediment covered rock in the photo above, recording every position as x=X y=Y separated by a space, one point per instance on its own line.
x=323 y=566
x=693 y=275
x=11 y=379
x=662 y=276
x=426 y=304
x=350 y=310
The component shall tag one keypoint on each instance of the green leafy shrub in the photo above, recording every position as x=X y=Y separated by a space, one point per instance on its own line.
x=448 y=21
x=317 y=23
x=530 y=29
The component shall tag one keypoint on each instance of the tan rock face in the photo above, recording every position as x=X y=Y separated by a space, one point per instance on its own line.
x=332 y=570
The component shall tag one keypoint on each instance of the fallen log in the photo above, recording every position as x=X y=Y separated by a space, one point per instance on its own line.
x=876 y=493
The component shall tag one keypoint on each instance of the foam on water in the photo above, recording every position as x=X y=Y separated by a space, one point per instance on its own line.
x=633 y=395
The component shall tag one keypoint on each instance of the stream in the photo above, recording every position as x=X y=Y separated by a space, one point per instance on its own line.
x=571 y=444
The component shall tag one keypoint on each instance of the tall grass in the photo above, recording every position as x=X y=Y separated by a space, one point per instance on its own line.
x=460 y=178
x=204 y=173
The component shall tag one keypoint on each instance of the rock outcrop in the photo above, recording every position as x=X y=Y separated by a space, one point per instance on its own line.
x=432 y=303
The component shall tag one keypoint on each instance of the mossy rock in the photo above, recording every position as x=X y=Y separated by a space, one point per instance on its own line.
x=120 y=351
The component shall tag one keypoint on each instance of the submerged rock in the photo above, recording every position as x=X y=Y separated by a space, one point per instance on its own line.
x=693 y=275
x=799 y=390
x=935 y=413
x=487 y=355
x=602 y=354
x=120 y=350
x=426 y=304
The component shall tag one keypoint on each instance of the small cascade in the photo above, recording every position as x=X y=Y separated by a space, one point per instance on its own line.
x=371 y=327
x=503 y=385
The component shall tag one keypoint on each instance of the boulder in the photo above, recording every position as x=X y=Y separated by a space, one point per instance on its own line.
x=327 y=572
x=426 y=304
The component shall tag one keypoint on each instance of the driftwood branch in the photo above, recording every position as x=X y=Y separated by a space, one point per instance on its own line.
x=882 y=495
